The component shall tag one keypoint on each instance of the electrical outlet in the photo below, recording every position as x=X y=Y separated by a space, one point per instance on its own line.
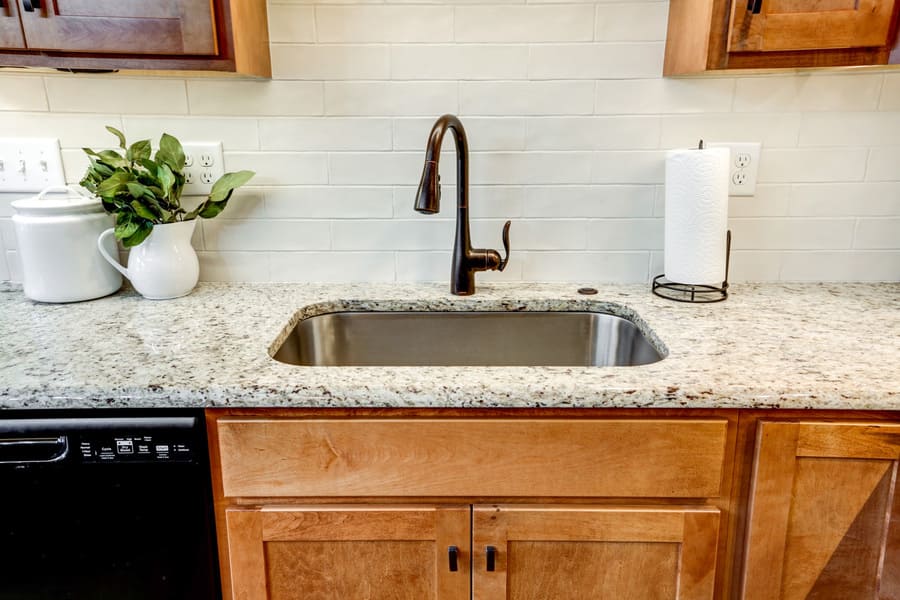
x=203 y=165
x=743 y=166
x=30 y=164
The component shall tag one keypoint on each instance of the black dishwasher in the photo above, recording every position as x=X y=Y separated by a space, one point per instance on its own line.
x=106 y=505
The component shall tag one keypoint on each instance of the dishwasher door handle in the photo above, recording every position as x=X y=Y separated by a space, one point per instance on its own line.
x=30 y=451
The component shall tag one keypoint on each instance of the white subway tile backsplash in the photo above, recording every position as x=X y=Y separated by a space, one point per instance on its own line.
x=234 y=133
x=592 y=133
x=791 y=233
x=332 y=267
x=336 y=134
x=333 y=62
x=385 y=23
x=234 y=266
x=330 y=202
x=23 y=92
x=596 y=61
x=280 y=168
x=394 y=98
x=632 y=21
x=529 y=23
x=664 y=96
x=568 y=122
x=812 y=165
x=450 y=61
x=249 y=98
x=262 y=235
x=840 y=266
x=586 y=267
x=132 y=95
x=420 y=234
x=625 y=234
x=512 y=98
x=877 y=234
x=807 y=93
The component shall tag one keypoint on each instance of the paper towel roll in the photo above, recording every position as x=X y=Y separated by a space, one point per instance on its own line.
x=696 y=215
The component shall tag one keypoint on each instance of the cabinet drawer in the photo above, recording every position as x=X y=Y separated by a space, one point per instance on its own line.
x=472 y=457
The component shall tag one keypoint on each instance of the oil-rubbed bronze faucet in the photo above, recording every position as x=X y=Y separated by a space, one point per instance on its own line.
x=466 y=260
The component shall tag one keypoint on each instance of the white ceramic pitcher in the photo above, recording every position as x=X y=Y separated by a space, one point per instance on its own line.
x=164 y=265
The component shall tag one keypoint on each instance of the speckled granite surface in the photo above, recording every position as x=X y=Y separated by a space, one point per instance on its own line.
x=826 y=346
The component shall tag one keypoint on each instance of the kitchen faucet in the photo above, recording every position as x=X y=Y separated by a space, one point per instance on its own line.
x=466 y=260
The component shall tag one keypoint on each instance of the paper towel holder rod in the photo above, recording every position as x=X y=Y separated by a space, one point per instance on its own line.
x=697 y=294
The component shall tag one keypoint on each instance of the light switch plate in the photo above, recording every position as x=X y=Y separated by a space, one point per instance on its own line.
x=743 y=166
x=30 y=164
x=204 y=163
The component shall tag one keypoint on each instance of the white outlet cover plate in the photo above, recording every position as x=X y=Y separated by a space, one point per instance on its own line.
x=198 y=173
x=750 y=172
x=30 y=164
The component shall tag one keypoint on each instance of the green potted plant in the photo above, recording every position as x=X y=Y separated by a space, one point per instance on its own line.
x=144 y=194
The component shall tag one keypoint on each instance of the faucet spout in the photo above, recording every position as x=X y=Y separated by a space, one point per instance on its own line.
x=466 y=260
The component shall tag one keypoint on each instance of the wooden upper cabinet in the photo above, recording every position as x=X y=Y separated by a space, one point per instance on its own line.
x=217 y=35
x=10 y=26
x=707 y=35
x=824 y=518
x=164 y=27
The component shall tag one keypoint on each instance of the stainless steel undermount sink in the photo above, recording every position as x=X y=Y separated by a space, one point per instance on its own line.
x=467 y=339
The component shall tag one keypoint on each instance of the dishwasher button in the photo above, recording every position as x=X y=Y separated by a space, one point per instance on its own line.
x=124 y=447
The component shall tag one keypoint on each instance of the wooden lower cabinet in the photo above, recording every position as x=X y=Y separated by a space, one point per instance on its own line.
x=594 y=552
x=498 y=552
x=824 y=518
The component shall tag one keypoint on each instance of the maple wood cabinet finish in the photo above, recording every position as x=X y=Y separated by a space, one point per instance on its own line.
x=707 y=35
x=824 y=517
x=222 y=35
x=626 y=553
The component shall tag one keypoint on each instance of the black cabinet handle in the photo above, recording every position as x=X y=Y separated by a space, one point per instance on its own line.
x=491 y=558
x=30 y=5
x=754 y=6
x=453 y=555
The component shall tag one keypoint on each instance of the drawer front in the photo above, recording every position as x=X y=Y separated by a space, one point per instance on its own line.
x=472 y=457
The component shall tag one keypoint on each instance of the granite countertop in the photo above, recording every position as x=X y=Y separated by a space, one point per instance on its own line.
x=824 y=346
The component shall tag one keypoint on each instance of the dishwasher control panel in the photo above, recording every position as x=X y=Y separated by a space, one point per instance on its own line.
x=130 y=448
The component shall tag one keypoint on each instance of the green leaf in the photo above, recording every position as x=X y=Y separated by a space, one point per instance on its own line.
x=138 y=151
x=166 y=179
x=113 y=158
x=125 y=225
x=211 y=209
x=136 y=189
x=118 y=134
x=142 y=211
x=222 y=188
x=170 y=147
x=139 y=236
x=114 y=183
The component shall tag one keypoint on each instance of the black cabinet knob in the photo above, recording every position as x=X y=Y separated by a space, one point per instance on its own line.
x=491 y=553
x=453 y=556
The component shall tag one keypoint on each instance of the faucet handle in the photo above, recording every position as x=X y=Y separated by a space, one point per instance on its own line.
x=505 y=260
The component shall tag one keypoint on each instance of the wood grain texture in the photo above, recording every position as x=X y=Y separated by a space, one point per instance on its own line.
x=341 y=552
x=527 y=458
x=176 y=27
x=688 y=37
x=770 y=499
x=620 y=545
x=250 y=32
x=10 y=27
x=849 y=440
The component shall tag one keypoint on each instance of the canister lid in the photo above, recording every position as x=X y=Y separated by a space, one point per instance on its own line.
x=57 y=200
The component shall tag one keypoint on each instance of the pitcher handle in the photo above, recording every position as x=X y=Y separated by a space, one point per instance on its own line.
x=115 y=263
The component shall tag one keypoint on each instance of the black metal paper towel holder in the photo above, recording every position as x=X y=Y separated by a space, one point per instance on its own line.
x=694 y=293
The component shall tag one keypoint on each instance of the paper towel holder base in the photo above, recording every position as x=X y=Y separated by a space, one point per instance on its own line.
x=697 y=294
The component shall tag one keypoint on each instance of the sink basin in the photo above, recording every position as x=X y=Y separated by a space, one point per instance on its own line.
x=467 y=339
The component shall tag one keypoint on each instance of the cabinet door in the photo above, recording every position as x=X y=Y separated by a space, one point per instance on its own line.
x=10 y=27
x=810 y=24
x=348 y=553
x=824 y=513
x=169 y=27
x=595 y=553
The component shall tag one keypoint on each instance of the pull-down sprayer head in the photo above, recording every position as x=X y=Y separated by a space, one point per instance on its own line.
x=428 y=198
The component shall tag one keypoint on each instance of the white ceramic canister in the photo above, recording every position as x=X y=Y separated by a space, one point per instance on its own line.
x=57 y=242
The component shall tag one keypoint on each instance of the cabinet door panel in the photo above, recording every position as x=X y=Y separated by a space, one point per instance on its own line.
x=596 y=553
x=10 y=28
x=811 y=25
x=133 y=27
x=348 y=553
x=824 y=513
